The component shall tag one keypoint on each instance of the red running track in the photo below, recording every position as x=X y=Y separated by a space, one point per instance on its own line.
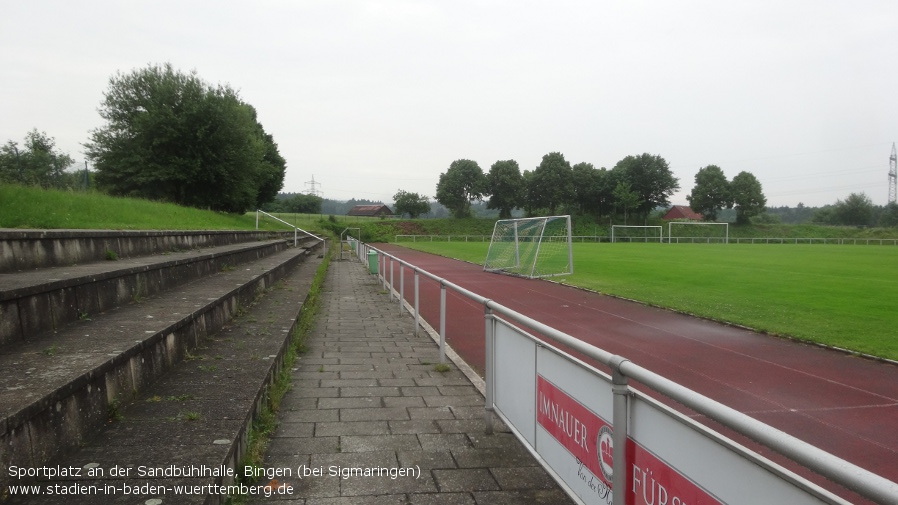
x=846 y=405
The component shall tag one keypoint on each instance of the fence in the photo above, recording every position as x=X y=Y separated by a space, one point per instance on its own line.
x=810 y=240
x=674 y=240
x=594 y=433
x=483 y=238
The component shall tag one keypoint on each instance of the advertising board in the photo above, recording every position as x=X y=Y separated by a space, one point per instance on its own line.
x=562 y=409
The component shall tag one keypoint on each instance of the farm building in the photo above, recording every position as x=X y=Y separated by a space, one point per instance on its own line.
x=370 y=211
x=682 y=212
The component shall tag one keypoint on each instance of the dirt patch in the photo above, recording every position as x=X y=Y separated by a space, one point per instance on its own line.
x=410 y=228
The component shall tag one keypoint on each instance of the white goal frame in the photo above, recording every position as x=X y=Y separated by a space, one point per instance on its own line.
x=644 y=239
x=726 y=237
x=524 y=247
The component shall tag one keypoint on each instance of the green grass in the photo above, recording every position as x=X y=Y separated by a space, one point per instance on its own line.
x=843 y=296
x=27 y=207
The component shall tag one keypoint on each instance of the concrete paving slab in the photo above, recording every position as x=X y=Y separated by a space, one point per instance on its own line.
x=381 y=409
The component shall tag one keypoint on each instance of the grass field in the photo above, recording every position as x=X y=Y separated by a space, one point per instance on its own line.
x=843 y=296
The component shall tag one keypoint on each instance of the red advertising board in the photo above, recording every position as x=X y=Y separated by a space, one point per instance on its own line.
x=587 y=437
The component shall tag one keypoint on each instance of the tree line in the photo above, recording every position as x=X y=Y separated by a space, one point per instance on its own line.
x=636 y=186
x=855 y=210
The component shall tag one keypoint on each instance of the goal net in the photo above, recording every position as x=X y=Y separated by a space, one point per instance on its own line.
x=628 y=233
x=531 y=247
x=690 y=232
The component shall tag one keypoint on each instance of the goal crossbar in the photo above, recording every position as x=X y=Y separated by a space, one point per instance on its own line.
x=644 y=238
x=725 y=238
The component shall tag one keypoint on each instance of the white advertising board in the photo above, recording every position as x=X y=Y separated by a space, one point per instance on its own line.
x=515 y=384
x=562 y=408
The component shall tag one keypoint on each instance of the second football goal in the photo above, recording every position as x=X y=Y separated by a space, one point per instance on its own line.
x=698 y=232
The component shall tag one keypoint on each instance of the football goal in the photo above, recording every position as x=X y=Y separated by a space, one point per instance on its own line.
x=691 y=232
x=627 y=233
x=531 y=247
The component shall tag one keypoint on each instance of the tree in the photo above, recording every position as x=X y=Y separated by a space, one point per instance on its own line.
x=463 y=183
x=530 y=195
x=505 y=185
x=170 y=136
x=583 y=178
x=36 y=163
x=412 y=204
x=271 y=169
x=551 y=183
x=710 y=193
x=748 y=197
x=856 y=210
x=889 y=216
x=650 y=177
x=626 y=198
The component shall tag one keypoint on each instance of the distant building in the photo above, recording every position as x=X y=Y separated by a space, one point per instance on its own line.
x=682 y=212
x=370 y=211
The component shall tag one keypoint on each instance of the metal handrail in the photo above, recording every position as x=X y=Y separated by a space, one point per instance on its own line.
x=348 y=237
x=844 y=473
x=295 y=229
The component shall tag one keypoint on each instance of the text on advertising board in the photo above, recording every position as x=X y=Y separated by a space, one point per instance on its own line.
x=587 y=437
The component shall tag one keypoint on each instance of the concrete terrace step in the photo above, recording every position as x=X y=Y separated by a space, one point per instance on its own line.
x=58 y=388
x=30 y=249
x=37 y=301
x=198 y=413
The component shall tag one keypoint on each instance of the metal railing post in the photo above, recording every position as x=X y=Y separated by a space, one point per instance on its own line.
x=417 y=307
x=392 y=285
x=257 y=219
x=620 y=418
x=490 y=341
x=401 y=287
x=442 y=322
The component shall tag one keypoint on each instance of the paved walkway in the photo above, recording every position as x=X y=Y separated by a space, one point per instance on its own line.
x=369 y=403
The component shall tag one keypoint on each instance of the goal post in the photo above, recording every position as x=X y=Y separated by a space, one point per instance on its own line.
x=531 y=247
x=699 y=232
x=633 y=233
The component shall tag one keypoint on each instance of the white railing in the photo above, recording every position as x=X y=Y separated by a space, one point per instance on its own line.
x=813 y=240
x=443 y=238
x=629 y=407
x=482 y=238
x=353 y=243
x=675 y=240
x=296 y=229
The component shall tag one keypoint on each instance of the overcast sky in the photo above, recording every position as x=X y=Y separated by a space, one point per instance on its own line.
x=369 y=97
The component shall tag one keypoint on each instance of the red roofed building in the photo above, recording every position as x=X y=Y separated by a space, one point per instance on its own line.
x=370 y=211
x=682 y=212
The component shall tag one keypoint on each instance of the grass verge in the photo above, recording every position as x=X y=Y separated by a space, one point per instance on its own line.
x=28 y=207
